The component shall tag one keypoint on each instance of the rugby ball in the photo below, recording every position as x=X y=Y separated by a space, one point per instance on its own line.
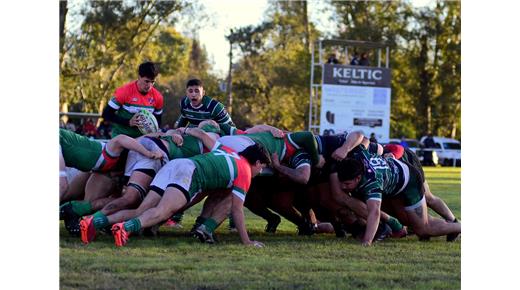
x=147 y=123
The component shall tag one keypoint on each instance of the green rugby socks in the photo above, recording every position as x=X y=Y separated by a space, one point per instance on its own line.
x=394 y=224
x=133 y=225
x=100 y=220
x=210 y=224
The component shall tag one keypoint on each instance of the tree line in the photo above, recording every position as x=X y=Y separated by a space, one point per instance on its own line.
x=270 y=77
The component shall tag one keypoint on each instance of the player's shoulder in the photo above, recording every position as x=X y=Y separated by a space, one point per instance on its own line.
x=211 y=103
x=125 y=89
x=156 y=93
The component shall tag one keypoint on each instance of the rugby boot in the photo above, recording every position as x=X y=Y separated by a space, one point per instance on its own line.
x=88 y=231
x=203 y=235
x=272 y=225
x=383 y=231
x=306 y=229
x=120 y=234
x=339 y=230
x=70 y=218
x=452 y=237
x=400 y=233
x=172 y=224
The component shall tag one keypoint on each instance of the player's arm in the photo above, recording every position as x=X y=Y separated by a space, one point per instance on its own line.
x=221 y=116
x=176 y=137
x=352 y=140
x=198 y=133
x=237 y=210
x=120 y=142
x=266 y=128
x=374 y=212
x=344 y=199
x=153 y=135
x=109 y=114
x=301 y=174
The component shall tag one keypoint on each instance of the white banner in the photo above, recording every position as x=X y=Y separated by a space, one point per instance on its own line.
x=352 y=108
x=351 y=101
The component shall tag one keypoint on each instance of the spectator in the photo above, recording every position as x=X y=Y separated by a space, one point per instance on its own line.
x=70 y=126
x=373 y=138
x=332 y=59
x=364 y=59
x=355 y=59
x=89 y=129
x=403 y=142
x=429 y=142
x=104 y=130
x=428 y=154
x=62 y=124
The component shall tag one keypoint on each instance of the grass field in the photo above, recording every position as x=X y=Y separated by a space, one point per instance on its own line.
x=173 y=261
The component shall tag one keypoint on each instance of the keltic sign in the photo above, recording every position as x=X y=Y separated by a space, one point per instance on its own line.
x=356 y=98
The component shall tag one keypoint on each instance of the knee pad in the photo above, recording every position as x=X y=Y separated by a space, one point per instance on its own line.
x=140 y=189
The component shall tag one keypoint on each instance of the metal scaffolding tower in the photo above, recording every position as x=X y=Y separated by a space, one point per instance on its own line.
x=317 y=63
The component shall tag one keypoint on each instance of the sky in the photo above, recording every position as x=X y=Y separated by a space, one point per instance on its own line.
x=227 y=14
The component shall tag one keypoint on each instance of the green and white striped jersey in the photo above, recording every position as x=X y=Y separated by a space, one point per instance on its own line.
x=383 y=177
x=209 y=109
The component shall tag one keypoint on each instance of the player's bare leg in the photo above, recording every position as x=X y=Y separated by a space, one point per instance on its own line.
x=425 y=225
x=76 y=187
x=135 y=192
x=151 y=200
x=437 y=204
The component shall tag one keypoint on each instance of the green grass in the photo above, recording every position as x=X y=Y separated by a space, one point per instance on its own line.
x=173 y=261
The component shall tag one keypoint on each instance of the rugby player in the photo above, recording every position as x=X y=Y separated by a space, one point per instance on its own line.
x=131 y=98
x=375 y=178
x=196 y=107
x=219 y=169
x=141 y=170
x=432 y=201
x=298 y=150
x=86 y=155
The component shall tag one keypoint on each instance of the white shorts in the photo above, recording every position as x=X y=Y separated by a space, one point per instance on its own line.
x=71 y=173
x=136 y=160
x=176 y=173
x=237 y=143
x=418 y=204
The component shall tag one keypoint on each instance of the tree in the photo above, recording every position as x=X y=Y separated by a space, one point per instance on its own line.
x=425 y=59
x=114 y=38
x=270 y=82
